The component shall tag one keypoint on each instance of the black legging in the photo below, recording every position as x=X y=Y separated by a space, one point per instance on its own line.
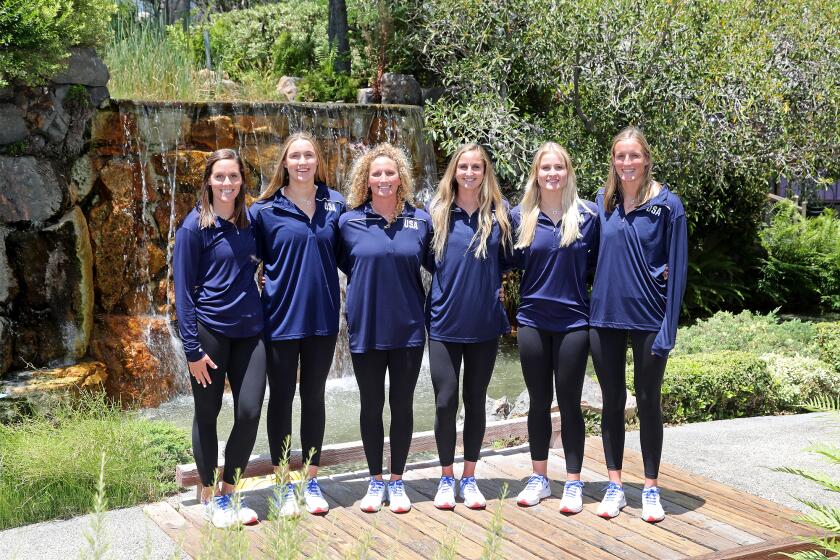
x=609 y=353
x=548 y=357
x=243 y=360
x=445 y=364
x=315 y=354
x=403 y=365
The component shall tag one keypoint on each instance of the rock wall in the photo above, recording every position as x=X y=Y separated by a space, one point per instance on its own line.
x=91 y=190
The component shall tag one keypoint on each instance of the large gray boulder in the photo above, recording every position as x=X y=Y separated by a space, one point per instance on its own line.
x=12 y=125
x=8 y=285
x=400 y=89
x=31 y=190
x=85 y=68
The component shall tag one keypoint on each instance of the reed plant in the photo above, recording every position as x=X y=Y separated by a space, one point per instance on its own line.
x=50 y=462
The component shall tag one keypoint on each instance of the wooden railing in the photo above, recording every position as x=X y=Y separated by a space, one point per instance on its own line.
x=353 y=452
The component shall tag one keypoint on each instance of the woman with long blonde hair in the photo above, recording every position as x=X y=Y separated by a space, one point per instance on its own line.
x=557 y=242
x=296 y=225
x=221 y=322
x=472 y=233
x=637 y=294
x=384 y=242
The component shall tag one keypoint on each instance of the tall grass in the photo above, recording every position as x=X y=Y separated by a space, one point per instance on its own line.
x=50 y=463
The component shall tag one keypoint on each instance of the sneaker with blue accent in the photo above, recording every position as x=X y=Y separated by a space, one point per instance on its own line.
x=375 y=496
x=652 y=511
x=572 y=501
x=535 y=490
x=445 y=496
x=473 y=498
x=219 y=511
x=286 y=500
x=613 y=501
x=398 y=500
x=312 y=497
x=244 y=514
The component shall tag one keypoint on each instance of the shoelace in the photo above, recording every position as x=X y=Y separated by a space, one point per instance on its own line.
x=395 y=488
x=535 y=482
x=446 y=482
x=313 y=488
x=469 y=484
x=289 y=492
x=375 y=487
x=572 y=488
x=223 y=502
x=613 y=491
x=651 y=495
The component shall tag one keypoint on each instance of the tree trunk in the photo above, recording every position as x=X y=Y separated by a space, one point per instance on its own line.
x=337 y=32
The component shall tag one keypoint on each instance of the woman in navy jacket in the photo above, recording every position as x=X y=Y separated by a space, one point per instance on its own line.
x=220 y=321
x=296 y=226
x=637 y=294
x=556 y=247
x=472 y=232
x=384 y=243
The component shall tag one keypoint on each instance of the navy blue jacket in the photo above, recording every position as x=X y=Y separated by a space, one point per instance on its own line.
x=552 y=291
x=629 y=290
x=214 y=282
x=385 y=294
x=301 y=295
x=463 y=304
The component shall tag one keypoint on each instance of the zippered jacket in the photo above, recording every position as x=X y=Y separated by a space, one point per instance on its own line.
x=630 y=290
x=301 y=296
x=213 y=270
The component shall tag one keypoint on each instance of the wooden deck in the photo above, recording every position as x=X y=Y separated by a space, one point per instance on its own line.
x=705 y=519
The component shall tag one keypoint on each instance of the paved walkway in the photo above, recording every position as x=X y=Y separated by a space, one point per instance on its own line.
x=734 y=452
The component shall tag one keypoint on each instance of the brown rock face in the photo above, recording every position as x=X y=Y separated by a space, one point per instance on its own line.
x=111 y=130
x=213 y=133
x=186 y=165
x=145 y=367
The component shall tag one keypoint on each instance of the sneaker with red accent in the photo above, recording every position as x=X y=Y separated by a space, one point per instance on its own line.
x=375 y=496
x=613 y=501
x=313 y=498
x=535 y=490
x=572 y=501
x=652 y=511
x=473 y=498
x=445 y=496
x=398 y=500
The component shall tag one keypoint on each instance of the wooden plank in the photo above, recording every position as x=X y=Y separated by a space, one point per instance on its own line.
x=352 y=452
x=195 y=515
x=770 y=549
x=176 y=527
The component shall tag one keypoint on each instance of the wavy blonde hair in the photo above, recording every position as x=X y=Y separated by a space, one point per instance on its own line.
x=571 y=203
x=280 y=178
x=489 y=197
x=207 y=216
x=358 y=188
x=613 y=183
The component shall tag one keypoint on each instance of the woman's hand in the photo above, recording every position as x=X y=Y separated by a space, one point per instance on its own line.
x=665 y=273
x=198 y=369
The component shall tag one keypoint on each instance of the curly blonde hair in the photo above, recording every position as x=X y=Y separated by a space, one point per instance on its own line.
x=358 y=188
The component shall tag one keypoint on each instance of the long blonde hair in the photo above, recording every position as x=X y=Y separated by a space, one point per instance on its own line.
x=571 y=203
x=613 y=183
x=358 y=188
x=280 y=178
x=489 y=197
x=207 y=216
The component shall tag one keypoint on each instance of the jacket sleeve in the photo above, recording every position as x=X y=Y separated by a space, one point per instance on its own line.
x=677 y=272
x=253 y=215
x=186 y=258
x=342 y=253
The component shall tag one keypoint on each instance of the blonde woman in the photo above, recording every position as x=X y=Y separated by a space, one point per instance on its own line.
x=472 y=231
x=221 y=322
x=384 y=243
x=296 y=226
x=557 y=243
x=642 y=258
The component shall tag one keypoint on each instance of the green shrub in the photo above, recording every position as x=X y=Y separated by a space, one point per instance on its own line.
x=802 y=267
x=50 y=463
x=325 y=84
x=716 y=385
x=748 y=332
x=827 y=340
x=35 y=35
x=800 y=379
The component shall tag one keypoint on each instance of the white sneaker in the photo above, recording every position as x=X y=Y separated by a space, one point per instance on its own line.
x=219 y=511
x=473 y=498
x=572 y=501
x=535 y=490
x=445 y=497
x=375 y=496
x=312 y=497
x=613 y=501
x=651 y=507
x=287 y=501
x=399 y=502
x=245 y=515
